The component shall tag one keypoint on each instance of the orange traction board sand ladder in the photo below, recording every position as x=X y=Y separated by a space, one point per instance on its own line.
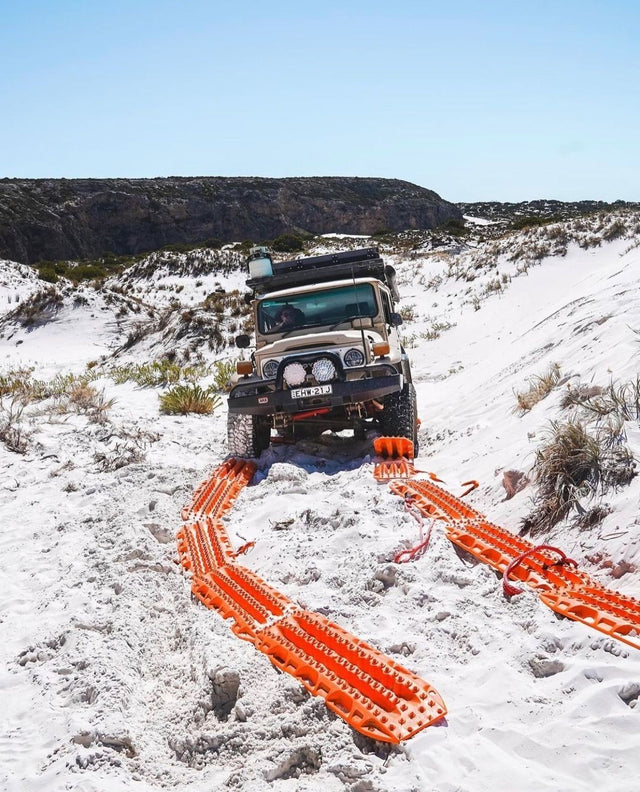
x=563 y=588
x=367 y=689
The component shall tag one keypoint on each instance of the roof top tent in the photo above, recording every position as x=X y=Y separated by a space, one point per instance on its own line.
x=266 y=275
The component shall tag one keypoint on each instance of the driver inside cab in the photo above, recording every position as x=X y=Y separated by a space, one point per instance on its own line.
x=288 y=317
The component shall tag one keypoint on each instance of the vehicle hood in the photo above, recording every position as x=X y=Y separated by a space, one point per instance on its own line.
x=336 y=338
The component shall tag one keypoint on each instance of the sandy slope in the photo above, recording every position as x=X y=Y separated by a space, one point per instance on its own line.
x=113 y=679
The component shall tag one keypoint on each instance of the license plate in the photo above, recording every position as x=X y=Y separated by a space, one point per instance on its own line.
x=316 y=390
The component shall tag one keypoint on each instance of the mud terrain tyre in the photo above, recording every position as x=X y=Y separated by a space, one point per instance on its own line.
x=247 y=435
x=400 y=415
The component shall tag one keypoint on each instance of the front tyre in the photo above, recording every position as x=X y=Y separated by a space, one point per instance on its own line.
x=400 y=415
x=247 y=435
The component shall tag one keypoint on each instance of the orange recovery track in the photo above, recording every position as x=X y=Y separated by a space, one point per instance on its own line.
x=371 y=692
x=565 y=589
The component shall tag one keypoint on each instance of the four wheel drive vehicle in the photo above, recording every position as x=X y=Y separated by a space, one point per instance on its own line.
x=327 y=352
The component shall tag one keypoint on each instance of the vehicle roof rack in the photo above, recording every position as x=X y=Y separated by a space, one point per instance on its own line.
x=361 y=263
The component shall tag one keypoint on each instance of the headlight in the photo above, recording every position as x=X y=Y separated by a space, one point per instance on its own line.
x=270 y=369
x=353 y=357
x=323 y=370
x=294 y=374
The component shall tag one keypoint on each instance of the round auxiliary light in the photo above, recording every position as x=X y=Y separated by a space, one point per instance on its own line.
x=294 y=374
x=270 y=369
x=353 y=357
x=323 y=370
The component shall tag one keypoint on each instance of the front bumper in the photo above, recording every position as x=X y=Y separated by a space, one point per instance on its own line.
x=261 y=397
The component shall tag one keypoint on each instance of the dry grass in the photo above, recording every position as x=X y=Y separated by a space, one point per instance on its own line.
x=539 y=388
x=12 y=432
x=39 y=308
x=592 y=516
x=21 y=384
x=621 y=400
x=618 y=399
x=64 y=394
x=85 y=399
x=408 y=313
x=576 y=461
x=436 y=330
x=82 y=396
x=123 y=446
x=577 y=395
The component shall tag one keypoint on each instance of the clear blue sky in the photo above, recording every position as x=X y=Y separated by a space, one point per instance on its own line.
x=477 y=100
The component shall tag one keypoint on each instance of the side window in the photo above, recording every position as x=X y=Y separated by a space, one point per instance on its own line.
x=386 y=304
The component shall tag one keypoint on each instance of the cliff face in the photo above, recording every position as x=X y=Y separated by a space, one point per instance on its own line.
x=84 y=218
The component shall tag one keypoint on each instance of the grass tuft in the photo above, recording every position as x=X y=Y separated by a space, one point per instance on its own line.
x=12 y=432
x=539 y=388
x=436 y=330
x=154 y=374
x=576 y=461
x=183 y=399
x=617 y=399
x=222 y=371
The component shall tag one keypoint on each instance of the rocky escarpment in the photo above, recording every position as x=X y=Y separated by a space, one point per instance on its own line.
x=84 y=218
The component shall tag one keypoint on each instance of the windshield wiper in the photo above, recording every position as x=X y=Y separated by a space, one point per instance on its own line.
x=348 y=319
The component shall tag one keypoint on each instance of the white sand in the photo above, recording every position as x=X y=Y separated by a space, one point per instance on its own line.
x=109 y=669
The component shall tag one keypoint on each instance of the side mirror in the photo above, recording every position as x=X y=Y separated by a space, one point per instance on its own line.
x=395 y=319
x=248 y=298
x=243 y=341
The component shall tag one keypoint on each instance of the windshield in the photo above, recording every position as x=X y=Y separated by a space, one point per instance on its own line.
x=327 y=307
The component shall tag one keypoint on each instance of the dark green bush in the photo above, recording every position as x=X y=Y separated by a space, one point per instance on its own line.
x=244 y=247
x=87 y=272
x=521 y=223
x=287 y=243
x=455 y=226
x=48 y=274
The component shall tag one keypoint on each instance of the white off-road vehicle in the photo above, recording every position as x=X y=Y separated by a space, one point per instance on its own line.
x=328 y=354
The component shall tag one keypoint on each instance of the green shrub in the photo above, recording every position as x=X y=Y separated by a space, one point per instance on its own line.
x=48 y=274
x=179 y=247
x=455 y=226
x=521 y=223
x=243 y=247
x=183 y=399
x=90 y=271
x=287 y=243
